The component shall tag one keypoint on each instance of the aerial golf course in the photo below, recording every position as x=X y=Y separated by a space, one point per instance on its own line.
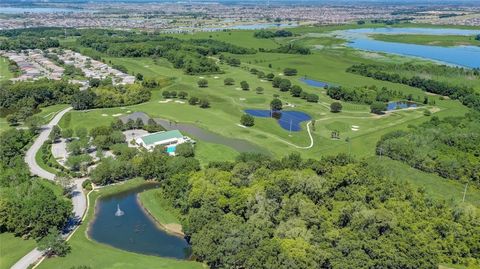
x=354 y=130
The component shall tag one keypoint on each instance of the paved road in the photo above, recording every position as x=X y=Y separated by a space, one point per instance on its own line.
x=79 y=200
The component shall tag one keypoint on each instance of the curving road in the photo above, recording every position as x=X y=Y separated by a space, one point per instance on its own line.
x=79 y=200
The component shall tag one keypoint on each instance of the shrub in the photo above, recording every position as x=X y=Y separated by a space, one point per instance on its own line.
x=335 y=107
x=312 y=98
x=244 y=85
x=228 y=81
x=247 y=120
x=204 y=103
x=202 y=83
x=290 y=71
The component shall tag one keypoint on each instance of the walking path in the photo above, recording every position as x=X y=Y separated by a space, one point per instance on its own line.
x=79 y=200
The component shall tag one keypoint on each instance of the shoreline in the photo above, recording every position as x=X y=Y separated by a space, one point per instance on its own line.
x=161 y=225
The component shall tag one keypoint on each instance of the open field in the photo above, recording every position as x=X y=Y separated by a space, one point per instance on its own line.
x=12 y=249
x=86 y=251
x=433 y=40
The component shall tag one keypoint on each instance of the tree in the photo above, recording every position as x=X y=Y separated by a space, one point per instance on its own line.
x=173 y=94
x=247 y=120
x=285 y=85
x=55 y=134
x=67 y=133
x=139 y=76
x=259 y=90
x=83 y=100
x=276 y=82
x=276 y=104
x=290 y=71
x=377 y=107
x=182 y=95
x=335 y=107
x=296 y=91
x=312 y=98
x=166 y=94
x=204 y=103
x=244 y=85
x=185 y=150
x=81 y=132
x=228 y=81
x=12 y=119
x=270 y=76
x=193 y=100
x=33 y=123
x=53 y=244
x=202 y=83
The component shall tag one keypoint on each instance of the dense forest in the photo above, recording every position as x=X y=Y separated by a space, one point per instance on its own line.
x=448 y=147
x=465 y=94
x=23 y=99
x=29 y=206
x=191 y=55
x=336 y=212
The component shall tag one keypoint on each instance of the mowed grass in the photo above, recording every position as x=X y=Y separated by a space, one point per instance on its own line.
x=160 y=209
x=100 y=256
x=12 y=248
x=432 y=40
x=5 y=73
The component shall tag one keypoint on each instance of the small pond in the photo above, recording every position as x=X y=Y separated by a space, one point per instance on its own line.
x=122 y=223
x=399 y=105
x=288 y=120
x=314 y=83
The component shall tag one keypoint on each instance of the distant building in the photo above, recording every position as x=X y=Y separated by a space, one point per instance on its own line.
x=168 y=139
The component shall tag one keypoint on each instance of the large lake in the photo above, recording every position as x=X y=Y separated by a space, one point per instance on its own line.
x=134 y=230
x=466 y=56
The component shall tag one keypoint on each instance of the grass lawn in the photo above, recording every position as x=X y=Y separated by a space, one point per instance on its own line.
x=5 y=73
x=13 y=248
x=158 y=207
x=209 y=152
x=433 y=40
x=435 y=186
x=96 y=255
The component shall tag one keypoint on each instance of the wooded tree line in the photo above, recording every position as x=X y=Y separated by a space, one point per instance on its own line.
x=272 y=34
x=29 y=206
x=191 y=55
x=23 y=43
x=465 y=94
x=23 y=99
x=40 y=32
x=290 y=48
x=448 y=147
x=336 y=212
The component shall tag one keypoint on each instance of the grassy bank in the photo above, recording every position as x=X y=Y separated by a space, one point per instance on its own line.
x=96 y=255
x=161 y=210
x=12 y=248
x=432 y=40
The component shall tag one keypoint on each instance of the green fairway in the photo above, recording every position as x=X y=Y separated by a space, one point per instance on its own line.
x=432 y=40
x=12 y=249
x=5 y=73
x=96 y=255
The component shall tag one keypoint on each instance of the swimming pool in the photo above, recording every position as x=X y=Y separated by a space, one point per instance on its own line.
x=171 y=149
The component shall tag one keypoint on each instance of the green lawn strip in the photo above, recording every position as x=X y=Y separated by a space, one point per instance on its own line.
x=159 y=208
x=42 y=164
x=12 y=248
x=47 y=113
x=5 y=73
x=87 y=252
x=209 y=152
x=433 y=40
x=435 y=186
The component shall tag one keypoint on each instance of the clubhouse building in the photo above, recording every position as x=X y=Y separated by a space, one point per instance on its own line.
x=168 y=139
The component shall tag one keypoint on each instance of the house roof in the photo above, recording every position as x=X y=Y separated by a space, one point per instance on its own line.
x=161 y=136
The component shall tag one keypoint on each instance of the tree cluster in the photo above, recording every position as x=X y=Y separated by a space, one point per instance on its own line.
x=465 y=94
x=110 y=96
x=447 y=147
x=271 y=34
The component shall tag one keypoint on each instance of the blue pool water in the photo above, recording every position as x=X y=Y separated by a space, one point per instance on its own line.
x=171 y=149
x=314 y=83
x=399 y=105
x=286 y=119
x=466 y=56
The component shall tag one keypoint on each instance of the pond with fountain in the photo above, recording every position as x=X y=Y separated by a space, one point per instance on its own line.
x=121 y=222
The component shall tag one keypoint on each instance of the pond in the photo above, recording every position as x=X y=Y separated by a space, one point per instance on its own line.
x=314 y=83
x=239 y=145
x=288 y=120
x=399 y=105
x=466 y=56
x=122 y=223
